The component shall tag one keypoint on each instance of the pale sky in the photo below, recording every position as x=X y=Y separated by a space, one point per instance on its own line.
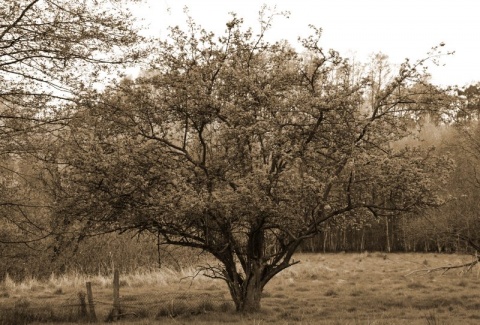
x=397 y=28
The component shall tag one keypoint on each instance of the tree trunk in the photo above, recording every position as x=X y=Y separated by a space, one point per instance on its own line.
x=246 y=285
x=247 y=290
x=406 y=246
x=247 y=293
x=362 y=241
x=387 y=235
x=251 y=296
x=325 y=237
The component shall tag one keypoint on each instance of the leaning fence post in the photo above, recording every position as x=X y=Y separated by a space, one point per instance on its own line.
x=116 y=294
x=91 y=307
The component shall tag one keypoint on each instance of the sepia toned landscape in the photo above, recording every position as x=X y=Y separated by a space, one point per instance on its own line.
x=229 y=175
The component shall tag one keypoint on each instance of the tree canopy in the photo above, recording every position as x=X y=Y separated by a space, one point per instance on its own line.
x=244 y=148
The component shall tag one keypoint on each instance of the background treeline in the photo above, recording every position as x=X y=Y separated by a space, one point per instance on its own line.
x=29 y=197
x=449 y=228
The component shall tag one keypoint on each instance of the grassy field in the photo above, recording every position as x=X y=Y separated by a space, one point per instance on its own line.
x=367 y=288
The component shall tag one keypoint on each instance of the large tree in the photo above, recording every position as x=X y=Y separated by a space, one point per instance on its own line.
x=243 y=149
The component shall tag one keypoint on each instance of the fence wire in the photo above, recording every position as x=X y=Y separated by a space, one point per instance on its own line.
x=76 y=308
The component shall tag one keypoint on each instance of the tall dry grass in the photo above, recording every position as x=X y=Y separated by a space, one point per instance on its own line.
x=367 y=288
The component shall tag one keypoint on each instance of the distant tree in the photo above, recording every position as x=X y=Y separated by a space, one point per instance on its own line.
x=50 y=52
x=244 y=149
x=50 y=48
x=469 y=102
x=461 y=224
x=455 y=225
x=466 y=182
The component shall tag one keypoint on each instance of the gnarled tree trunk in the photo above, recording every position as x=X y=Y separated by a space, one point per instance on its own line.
x=257 y=269
x=247 y=293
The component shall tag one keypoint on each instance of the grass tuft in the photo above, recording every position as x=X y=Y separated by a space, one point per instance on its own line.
x=432 y=319
x=462 y=283
x=58 y=291
x=8 y=283
x=331 y=293
x=416 y=285
x=357 y=293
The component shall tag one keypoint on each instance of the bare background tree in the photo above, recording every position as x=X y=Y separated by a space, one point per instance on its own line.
x=50 y=52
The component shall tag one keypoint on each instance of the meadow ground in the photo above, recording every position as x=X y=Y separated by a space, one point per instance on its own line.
x=367 y=288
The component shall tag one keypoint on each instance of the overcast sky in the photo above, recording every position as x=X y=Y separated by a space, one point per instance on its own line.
x=398 y=28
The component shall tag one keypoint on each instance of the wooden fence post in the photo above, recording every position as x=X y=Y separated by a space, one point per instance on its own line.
x=82 y=311
x=116 y=294
x=91 y=307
